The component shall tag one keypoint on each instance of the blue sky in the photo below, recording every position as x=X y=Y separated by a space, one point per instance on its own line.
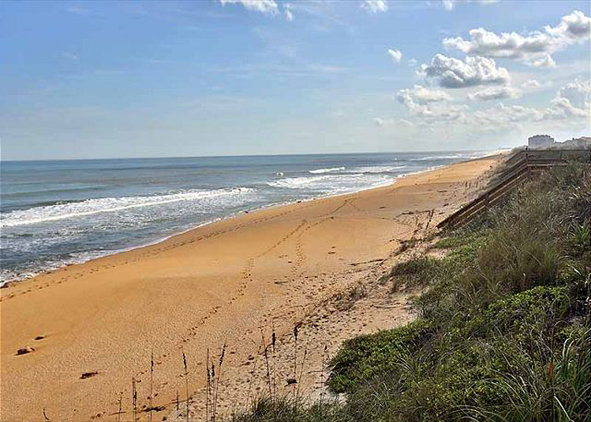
x=91 y=79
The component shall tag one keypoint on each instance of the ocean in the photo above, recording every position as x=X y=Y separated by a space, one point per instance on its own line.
x=55 y=213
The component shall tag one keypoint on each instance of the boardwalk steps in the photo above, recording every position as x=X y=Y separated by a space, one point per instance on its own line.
x=520 y=166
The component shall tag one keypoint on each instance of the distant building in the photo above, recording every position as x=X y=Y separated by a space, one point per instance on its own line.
x=583 y=142
x=540 y=141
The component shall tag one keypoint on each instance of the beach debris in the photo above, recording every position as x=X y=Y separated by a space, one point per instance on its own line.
x=88 y=374
x=153 y=409
x=39 y=338
x=24 y=350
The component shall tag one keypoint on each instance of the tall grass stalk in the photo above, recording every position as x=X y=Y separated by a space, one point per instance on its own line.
x=120 y=404
x=186 y=374
x=134 y=398
x=151 y=383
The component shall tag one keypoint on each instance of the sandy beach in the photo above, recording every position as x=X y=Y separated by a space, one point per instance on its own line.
x=230 y=282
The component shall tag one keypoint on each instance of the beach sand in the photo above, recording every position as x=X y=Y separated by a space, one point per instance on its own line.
x=229 y=282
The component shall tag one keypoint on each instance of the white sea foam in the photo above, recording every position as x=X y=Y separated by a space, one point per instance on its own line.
x=333 y=183
x=452 y=156
x=109 y=205
x=328 y=170
x=377 y=169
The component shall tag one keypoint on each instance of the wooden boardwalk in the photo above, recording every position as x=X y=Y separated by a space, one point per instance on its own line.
x=519 y=166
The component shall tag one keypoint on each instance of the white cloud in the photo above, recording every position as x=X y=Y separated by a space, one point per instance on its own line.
x=568 y=113
x=575 y=26
x=70 y=56
x=544 y=61
x=448 y=4
x=374 y=6
x=531 y=84
x=264 y=6
x=572 y=100
x=495 y=93
x=396 y=55
x=451 y=4
x=412 y=62
x=571 y=104
x=389 y=122
x=502 y=116
x=534 y=48
x=379 y=121
x=422 y=95
x=288 y=12
x=472 y=71
x=429 y=104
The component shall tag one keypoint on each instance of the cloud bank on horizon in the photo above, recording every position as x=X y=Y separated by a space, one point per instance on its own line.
x=230 y=77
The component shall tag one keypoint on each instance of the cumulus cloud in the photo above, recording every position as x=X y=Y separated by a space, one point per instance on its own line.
x=287 y=11
x=531 y=84
x=472 y=71
x=451 y=4
x=495 y=93
x=575 y=26
x=381 y=122
x=571 y=104
x=572 y=100
x=570 y=108
x=429 y=104
x=268 y=7
x=533 y=48
x=501 y=116
x=374 y=6
x=422 y=95
x=396 y=55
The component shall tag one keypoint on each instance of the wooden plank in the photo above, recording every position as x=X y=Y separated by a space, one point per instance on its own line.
x=524 y=163
x=469 y=212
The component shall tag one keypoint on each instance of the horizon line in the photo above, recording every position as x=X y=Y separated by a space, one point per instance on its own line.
x=253 y=155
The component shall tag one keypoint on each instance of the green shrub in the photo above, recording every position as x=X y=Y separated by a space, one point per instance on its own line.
x=363 y=357
x=417 y=271
x=286 y=409
x=558 y=389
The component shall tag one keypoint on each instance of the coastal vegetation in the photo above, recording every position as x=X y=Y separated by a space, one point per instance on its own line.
x=503 y=327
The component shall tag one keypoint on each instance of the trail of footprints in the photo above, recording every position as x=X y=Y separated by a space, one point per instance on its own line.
x=247 y=277
x=150 y=251
x=246 y=274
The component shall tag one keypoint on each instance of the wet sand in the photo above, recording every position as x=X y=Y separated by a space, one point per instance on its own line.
x=228 y=282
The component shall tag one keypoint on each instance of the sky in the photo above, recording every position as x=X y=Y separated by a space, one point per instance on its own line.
x=93 y=79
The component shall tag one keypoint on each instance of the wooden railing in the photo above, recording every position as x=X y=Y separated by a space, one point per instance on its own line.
x=518 y=167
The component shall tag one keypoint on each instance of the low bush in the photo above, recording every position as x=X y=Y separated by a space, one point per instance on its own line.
x=363 y=357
